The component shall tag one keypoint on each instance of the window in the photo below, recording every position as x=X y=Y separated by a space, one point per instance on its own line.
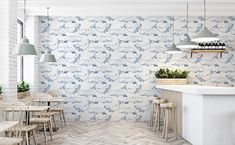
x=25 y=64
x=20 y=59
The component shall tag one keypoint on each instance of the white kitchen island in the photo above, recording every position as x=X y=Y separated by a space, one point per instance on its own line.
x=208 y=113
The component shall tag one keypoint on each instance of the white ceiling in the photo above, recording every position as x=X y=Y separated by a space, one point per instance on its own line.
x=128 y=7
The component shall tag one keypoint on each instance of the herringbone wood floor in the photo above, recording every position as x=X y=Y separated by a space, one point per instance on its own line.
x=108 y=133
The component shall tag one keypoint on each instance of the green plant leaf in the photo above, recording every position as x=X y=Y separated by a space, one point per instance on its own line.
x=1 y=90
x=167 y=73
x=22 y=87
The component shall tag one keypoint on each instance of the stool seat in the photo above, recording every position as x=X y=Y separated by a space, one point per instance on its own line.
x=167 y=105
x=152 y=109
x=157 y=98
x=159 y=101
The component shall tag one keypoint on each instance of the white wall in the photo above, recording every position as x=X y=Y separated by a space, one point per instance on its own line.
x=129 y=7
x=105 y=65
x=8 y=39
x=8 y=43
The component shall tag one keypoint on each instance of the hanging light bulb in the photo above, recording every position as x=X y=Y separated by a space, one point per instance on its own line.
x=187 y=43
x=25 y=48
x=48 y=57
x=205 y=35
x=173 y=48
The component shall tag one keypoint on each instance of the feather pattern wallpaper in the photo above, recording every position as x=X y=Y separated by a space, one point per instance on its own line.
x=105 y=65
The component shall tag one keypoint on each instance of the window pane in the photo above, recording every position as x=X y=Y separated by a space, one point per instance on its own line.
x=28 y=69
x=18 y=69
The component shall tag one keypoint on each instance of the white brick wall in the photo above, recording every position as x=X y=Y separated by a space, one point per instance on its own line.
x=8 y=40
x=36 y=61
x=12 y=46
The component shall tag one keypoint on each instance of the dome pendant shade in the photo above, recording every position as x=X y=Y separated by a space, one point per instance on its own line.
x=205 y=36
x=173 y=49
x=49 y=58
x=25 y=48
x=187 y=43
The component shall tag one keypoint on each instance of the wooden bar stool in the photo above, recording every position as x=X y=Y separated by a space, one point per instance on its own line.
x=151 y=114
x=158 y=113
x=169 y=108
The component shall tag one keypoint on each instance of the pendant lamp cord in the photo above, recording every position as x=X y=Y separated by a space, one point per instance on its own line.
x=173 y=27
x=24 y=19
x=187 y=19
x=204 y=13
x=48 y=33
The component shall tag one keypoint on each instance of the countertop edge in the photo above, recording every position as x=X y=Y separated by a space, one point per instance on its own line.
x=202 y=90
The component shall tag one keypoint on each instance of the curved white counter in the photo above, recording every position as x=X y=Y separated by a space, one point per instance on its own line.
x=208 y=113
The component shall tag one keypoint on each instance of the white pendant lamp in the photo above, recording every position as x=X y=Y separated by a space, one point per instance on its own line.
x=187 y=43
x=25 y=48
x=173 y=48
x=205 y=35
x=48 y=57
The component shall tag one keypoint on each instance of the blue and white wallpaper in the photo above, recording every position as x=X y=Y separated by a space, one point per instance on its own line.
x=105 y=68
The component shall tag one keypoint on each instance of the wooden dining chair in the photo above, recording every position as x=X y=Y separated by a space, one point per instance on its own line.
x=58 y=107
x=41 y=118
x=27 y=130
x=13 y=134
x=38 y=99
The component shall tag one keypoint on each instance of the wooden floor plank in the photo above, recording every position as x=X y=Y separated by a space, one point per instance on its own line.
x=108 y=133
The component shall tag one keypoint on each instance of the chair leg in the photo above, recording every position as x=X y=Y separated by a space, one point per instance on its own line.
x=45 y=136
x=33 y=133
x=50 y=129
x=156 y=118
x=53 y=117
x=27 y=138
x=175 y=123
x=167 y=115
x=164 y=123
x=151 y=116
x=61 y=119
x=155 y=123
x=158 y=123
x=64 y=117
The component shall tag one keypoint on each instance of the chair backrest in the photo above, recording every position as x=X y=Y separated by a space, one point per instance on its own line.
x=40 y=101
x=38 y=95
x=14 y=111
x=57 y=105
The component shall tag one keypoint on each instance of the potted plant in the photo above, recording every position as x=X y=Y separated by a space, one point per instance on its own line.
x=1 y=97
x=23 y=90
x=171 y=77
